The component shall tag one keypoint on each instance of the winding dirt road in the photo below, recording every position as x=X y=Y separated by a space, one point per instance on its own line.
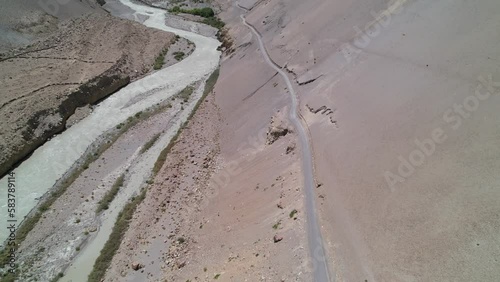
x=315 y=240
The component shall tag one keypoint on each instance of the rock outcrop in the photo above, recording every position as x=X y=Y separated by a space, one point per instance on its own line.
x=276 y=130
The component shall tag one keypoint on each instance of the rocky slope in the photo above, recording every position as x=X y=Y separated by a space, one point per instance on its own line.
x=226 y=205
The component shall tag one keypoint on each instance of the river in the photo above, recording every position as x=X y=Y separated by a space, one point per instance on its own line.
x=36 y=175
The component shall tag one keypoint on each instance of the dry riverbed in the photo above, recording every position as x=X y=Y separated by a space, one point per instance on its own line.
x=72 y=219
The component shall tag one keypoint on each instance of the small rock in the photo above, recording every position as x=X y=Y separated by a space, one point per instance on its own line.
x=181 y=264
x=277 y=238
x=136 y=266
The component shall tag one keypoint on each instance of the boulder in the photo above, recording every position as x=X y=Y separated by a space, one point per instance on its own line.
x=136 y=266
x=275 y=132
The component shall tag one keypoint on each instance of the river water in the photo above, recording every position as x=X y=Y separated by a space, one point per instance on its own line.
x=36 y=175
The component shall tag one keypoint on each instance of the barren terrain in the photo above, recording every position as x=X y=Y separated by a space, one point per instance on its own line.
x=204 y=220
x=375 y=80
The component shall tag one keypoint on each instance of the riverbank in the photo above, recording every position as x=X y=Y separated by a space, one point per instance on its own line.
x=41 y=254
x=135 y=99
x=84 y=61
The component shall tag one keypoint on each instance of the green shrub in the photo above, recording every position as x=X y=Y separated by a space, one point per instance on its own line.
x=108 y=251
x=160 y=59
x=203 y=12
x=158 y=62
x=215 y=22
x=151 y=142
x=179 y=55
x=277 y=225
x=110 y=195
x=186 y=93
x=175 y=10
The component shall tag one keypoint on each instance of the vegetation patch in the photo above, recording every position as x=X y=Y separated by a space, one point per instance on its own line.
x=163 y=154
x=108 y=251
x=277 y=225
x=175 y=39
x=207 y=13
x=160 y=59
x=210 y=83
x=179 y=55
x=203 y=12
x=214 y=22
x=151 y=142
x=110 y=195
x=186 y=93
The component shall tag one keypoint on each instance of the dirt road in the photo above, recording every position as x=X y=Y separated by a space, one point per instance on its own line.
x=319 y=259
